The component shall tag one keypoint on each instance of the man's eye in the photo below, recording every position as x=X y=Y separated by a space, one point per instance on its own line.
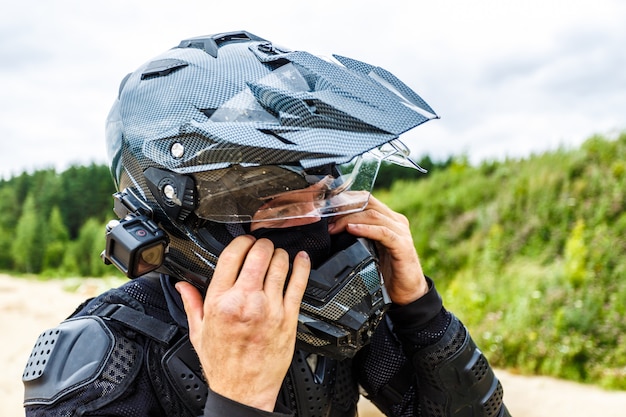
x=283 y=213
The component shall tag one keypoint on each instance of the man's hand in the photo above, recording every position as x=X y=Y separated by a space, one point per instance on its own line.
x=244 y=331
x=400 y=265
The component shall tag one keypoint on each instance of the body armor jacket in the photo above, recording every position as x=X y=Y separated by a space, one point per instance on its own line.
x=127 y=353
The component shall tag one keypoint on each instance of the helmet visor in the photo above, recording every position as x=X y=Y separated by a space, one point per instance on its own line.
x=272 y=193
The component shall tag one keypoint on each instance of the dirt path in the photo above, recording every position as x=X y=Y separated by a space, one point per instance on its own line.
x=28 y=307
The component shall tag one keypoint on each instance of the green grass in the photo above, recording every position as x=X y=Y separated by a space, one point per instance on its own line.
x=529 y=254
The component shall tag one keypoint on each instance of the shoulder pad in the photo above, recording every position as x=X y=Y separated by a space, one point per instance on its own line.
x=66 y=358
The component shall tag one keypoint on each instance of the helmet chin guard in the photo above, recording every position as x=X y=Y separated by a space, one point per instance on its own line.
x=344 y=302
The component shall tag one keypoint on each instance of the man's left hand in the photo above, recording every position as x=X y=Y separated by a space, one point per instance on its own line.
x=400 y=265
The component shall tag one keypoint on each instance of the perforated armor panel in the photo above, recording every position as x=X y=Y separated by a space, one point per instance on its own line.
x=134 y=381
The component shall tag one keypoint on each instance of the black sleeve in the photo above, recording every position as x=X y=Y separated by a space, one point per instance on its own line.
x=383 y=369
x=219 y=406
x=442 y=370
x=410 y=319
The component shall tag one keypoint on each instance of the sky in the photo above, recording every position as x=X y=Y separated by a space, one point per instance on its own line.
x=508 y=78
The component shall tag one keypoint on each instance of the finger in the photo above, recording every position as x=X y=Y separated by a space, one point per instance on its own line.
x=255 y=266
x=382 y=234
x=194 y=307
x=376 y=212
x=368 y=216
x=297 y=284
x=229 y=263
x=385 y=210
x=277 y=274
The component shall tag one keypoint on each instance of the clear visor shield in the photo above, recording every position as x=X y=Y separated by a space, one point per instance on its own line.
x=276 y=193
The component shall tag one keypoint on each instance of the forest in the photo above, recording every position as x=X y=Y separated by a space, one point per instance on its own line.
x=53 y=223
x=528 y=252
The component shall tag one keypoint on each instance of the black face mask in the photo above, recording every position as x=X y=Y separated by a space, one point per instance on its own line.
x=312 y=238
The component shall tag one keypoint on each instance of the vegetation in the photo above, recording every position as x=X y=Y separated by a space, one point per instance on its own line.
x=53 y=224
x=527 y=252
x=530 y=255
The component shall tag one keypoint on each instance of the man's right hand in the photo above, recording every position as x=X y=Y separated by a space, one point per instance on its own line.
x=244 y=331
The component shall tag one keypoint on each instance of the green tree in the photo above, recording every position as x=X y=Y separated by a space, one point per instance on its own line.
x=84 y=252
x=46 y=189
x=85 y=192
x=28 y=247
x=9 y=213
x=56 y=240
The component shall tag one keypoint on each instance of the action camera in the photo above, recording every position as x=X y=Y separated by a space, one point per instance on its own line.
x=135 y=244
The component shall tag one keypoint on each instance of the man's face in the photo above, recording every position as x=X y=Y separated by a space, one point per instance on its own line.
x=282 y=196
x=292 y=208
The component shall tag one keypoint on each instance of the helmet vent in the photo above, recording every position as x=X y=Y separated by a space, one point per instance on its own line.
x=277 y=136
x=210 y=44
x=208 y=112
x=162 y=67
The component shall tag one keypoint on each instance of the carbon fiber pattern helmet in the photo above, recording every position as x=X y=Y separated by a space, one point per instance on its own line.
x=209 y=117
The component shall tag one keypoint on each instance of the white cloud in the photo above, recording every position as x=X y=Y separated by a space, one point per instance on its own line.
x=508 y=78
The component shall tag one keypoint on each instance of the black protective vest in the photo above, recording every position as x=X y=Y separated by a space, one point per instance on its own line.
x=143 y=350
x=127 y=352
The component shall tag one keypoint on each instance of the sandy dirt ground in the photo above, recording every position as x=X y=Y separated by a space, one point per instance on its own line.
x=28 y=307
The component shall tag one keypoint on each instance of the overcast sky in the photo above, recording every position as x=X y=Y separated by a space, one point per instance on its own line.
x=507 y=77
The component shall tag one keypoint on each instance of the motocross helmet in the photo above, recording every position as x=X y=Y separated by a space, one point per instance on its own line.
x=229 y=134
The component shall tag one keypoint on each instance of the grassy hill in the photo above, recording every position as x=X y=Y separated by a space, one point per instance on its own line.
x=529 y=253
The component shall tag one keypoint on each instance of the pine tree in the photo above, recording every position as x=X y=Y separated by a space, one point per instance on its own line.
x=56 y=240
x=28 y=247
x=87 y=249
x=9 y=212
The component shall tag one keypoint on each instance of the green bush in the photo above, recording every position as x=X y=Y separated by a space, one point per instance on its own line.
x=529 y=253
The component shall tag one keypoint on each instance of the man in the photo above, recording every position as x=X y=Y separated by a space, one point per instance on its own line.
x=266 y=279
